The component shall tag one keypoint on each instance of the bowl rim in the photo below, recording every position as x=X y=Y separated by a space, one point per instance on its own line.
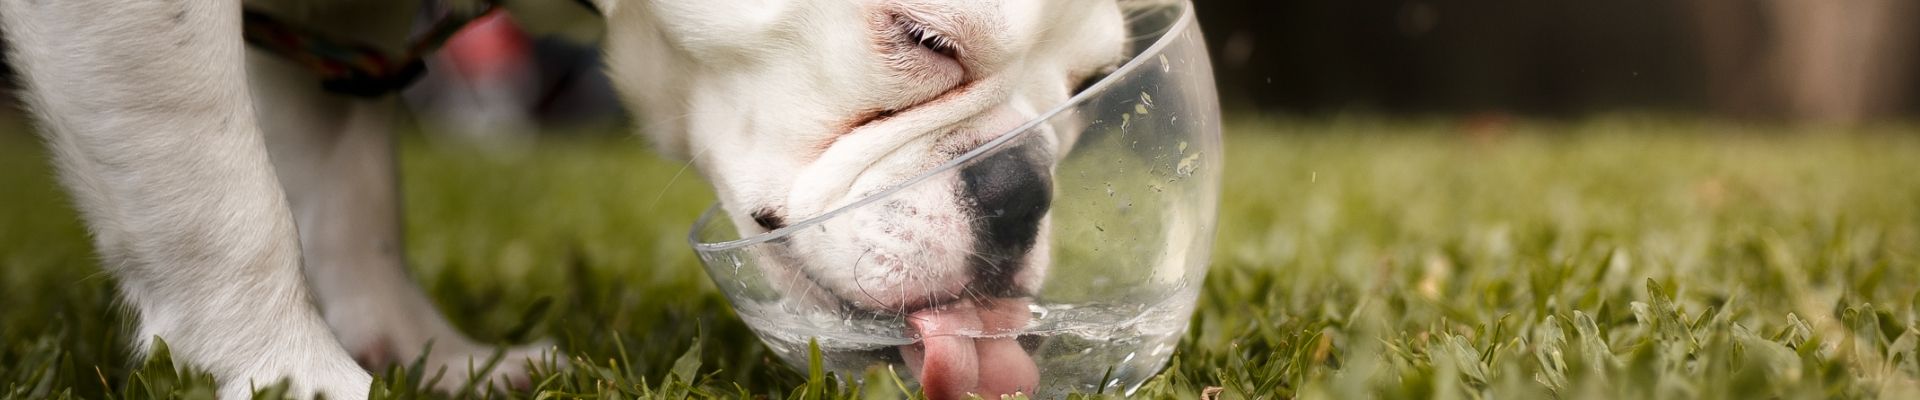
x=1180 y=26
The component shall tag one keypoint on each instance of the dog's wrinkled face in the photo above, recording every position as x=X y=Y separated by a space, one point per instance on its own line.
x=792 y=108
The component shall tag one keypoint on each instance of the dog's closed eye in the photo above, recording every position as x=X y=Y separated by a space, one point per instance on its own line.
x=922 y=48
x=928 y=38
x=924 y=59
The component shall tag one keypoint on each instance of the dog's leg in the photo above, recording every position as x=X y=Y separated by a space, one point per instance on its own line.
x=335 y=155
x=146 y=108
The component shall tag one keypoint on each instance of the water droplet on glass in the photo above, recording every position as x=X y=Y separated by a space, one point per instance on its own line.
x=1188 y=166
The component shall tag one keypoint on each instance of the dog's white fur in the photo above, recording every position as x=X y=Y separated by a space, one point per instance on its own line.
x=210 y=174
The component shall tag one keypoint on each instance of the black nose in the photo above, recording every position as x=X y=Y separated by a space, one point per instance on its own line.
x=1009 y=193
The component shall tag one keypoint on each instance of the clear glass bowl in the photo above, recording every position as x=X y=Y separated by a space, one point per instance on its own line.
x=1127 y=241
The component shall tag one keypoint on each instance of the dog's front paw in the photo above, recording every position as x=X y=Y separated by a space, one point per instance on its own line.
x=342 y=385
x=463 y=365
x=327 y=376
x=473 y=366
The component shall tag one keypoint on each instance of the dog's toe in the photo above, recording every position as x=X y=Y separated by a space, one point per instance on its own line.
x=476 y=367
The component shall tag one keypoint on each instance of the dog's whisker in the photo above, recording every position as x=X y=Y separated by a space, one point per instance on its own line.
x=984 y=259
x=974 y=294
x=670 y=181
x=858 y=284
x=952 y=294
x=698 y=151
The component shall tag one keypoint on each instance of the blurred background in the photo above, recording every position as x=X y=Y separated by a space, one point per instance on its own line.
x=1829 y=61
x=1840 y=62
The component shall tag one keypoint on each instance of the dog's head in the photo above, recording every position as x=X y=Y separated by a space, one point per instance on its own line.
x=792 y=108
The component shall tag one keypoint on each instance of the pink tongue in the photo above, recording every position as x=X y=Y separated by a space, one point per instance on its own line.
x=951 y=366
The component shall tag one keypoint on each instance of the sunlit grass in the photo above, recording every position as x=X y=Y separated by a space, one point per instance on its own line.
x=1615 y=258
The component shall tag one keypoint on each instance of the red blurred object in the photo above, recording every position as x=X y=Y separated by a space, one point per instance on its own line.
x=489 y=49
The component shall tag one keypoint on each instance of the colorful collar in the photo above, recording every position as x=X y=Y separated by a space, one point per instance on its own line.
x=353 y=68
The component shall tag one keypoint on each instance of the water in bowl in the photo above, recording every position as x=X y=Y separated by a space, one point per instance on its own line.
x=1078 y=348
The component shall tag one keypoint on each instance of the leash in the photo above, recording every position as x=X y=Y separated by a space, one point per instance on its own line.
x=353 y=68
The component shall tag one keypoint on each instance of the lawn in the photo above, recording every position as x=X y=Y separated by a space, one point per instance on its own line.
x=1610 y=258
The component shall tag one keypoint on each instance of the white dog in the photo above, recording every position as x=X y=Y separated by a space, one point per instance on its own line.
x=231 y=195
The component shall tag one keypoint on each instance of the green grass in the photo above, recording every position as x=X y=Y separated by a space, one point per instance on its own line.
x=1615 y=258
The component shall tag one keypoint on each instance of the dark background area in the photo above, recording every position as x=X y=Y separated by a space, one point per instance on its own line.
x=1785 y=60
x=1550 y=57
x=1561 y=58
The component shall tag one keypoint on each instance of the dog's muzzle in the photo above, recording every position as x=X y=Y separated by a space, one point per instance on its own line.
x=1009 y=194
